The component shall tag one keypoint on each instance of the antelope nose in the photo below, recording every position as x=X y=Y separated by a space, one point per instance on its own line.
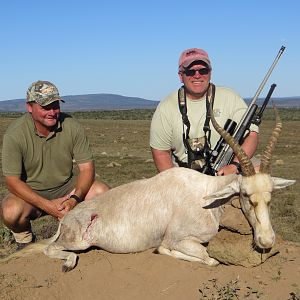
x=266 y=243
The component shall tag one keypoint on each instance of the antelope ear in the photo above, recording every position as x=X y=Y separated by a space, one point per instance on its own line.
x=280 y=183
x=222 y=196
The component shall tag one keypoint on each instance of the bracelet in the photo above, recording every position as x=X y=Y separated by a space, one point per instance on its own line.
x=238 y=166
x=78 y=200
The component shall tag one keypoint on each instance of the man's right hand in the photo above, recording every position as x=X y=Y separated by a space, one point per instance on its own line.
x=56 y=207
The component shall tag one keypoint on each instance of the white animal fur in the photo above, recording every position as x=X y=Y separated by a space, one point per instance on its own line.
x=175 y=211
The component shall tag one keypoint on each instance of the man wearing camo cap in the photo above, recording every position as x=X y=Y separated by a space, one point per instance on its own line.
x=39 y=150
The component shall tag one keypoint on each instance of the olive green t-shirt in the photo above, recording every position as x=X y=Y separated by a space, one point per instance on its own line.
x=44 y=162
x=167 y=127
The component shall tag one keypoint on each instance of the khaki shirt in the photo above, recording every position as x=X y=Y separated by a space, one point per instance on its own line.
x=167 y=127
x=44 y=162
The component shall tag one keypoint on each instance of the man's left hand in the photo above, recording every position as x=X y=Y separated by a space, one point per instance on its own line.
x=68 y=205
x=229 y=169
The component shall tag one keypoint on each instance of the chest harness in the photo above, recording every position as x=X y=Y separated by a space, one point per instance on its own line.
x=195 y=154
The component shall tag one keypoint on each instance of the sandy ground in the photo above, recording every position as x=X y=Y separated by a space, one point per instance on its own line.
x=102 y=275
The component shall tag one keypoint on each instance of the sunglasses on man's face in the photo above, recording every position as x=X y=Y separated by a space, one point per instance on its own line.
x=191 y=72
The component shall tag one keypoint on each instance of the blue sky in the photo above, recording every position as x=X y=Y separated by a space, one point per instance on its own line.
x=132 y=48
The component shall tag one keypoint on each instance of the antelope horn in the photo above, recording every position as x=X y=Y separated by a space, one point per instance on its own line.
x=246 y=164
x=265 y=165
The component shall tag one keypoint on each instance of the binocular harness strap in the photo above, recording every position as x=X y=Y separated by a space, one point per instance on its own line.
x=210 y=96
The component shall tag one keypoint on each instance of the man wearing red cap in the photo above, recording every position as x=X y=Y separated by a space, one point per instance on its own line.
x=180 y=121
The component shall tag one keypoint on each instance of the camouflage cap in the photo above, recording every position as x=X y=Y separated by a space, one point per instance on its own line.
x=43 y=93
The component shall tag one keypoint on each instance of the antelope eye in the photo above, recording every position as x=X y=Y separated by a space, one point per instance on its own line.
x=244 y=194
x=254 y=204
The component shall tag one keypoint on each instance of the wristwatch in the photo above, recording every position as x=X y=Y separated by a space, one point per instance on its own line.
x=238 y=166
x=78 y=200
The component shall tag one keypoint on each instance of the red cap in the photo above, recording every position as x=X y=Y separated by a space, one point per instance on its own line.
x=190 y=55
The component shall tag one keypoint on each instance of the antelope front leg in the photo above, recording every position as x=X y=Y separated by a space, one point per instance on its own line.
x=189 y=250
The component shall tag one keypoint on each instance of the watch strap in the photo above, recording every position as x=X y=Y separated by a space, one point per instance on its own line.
x=78 y=199
x=238 y=166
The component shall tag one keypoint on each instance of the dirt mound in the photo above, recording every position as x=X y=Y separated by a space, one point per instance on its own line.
x=233 y=245
x=236 y=249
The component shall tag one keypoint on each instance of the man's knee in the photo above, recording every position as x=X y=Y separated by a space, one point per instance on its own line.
x=102 y=187
x=11 y=209
x=96 y=189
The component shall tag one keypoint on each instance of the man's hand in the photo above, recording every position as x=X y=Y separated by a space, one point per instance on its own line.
x=228 y=169
x=68 y=205
x=59 y=207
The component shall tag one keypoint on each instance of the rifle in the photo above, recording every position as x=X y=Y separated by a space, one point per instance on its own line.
x=222 y=154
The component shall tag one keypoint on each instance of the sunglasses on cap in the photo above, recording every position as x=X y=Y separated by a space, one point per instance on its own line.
x=191 y=72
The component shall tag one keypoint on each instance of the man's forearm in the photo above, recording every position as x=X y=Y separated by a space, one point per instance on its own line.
x=250 y=144
x=162 y=159
x=23 y=191
x=85 y=179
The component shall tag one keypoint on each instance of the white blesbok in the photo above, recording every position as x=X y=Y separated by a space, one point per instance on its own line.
x=176 y=212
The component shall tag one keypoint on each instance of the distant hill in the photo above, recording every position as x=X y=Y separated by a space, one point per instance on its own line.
x=94 y=102
x=87 y=103
x=284 y=102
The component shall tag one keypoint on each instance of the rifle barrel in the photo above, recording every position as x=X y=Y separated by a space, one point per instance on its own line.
x=261 y=85
x=267 y=75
